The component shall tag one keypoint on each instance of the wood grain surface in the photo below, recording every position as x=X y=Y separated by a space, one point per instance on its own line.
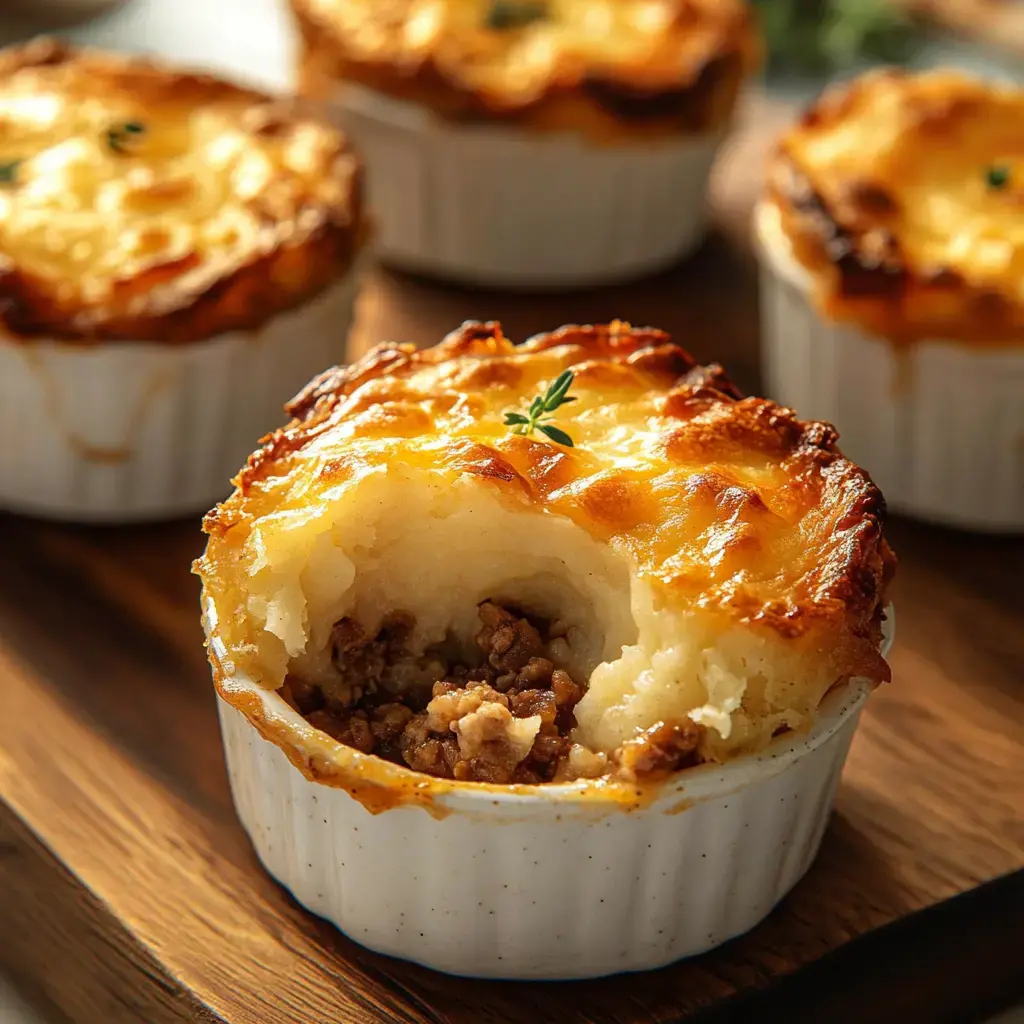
x=129 y=892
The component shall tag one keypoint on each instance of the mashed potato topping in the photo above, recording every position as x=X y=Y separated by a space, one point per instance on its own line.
x=148 y=204
x=712 y=563
x=903 y=194
x=583 y=64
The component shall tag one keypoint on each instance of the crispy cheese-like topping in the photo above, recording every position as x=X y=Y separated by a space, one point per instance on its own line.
x=720 y=503
x=128 y=191
x=637 y=58
x=905 y=195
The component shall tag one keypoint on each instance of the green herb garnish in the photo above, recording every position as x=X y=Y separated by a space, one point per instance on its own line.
x=997 y=176
x=120 y=137
x=821 y=36
x=506 y=14
x=9 y=172
x=542 y=408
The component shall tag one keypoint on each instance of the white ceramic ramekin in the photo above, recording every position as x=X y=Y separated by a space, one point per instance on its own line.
x=503 y=206
x=127 y=431
x=938 y=424
x=559 y=881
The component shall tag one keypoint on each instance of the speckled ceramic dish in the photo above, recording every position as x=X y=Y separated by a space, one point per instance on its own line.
x=555 y=881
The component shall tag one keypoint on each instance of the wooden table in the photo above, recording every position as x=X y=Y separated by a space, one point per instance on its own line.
x=129 y=892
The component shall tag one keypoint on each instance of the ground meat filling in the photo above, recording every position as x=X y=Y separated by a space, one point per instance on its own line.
x=506 y=719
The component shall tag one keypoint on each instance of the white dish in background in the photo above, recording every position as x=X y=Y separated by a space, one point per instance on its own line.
x=126 y=431
x=201 y=34
x=938 y=424
x=503 y=206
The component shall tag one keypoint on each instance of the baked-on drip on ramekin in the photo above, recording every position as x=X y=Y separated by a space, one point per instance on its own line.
x=179 y=257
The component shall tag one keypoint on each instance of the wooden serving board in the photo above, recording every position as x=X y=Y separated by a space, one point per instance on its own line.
x=128 y=891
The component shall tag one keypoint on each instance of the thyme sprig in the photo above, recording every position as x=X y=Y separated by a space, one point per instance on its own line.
x=121 y=137
x=507 y=14
x=542 y=408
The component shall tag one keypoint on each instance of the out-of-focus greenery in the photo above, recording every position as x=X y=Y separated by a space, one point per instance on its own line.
x=815 y=36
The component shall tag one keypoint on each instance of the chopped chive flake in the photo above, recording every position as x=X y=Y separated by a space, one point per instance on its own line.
x=9 y=172
x=121 y=136
x=997 y=176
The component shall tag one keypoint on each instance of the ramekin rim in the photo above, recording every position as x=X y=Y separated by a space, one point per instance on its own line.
x=717 y=779
x=776 y=249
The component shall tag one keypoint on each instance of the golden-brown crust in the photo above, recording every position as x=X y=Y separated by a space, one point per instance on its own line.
x=683 y=75
x=228 y=208
x=882 y=194
x=730 y=504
